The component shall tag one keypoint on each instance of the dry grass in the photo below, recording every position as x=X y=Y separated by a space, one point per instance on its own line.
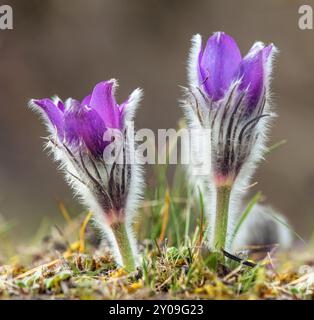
x=57 y=268
x=69 y=262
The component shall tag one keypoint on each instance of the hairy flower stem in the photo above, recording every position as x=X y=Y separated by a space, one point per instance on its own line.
x=221 y=224
x=119 y=231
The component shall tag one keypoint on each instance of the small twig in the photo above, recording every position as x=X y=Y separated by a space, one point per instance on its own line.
x=271 y=263
x=165 y=282
x=232 y=273
x=249 y=186
x=157 y=245
x=46 y=265
x=65 y=213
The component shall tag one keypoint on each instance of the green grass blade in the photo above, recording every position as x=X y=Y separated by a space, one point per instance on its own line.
x=275 y=146
x=287 y=226
x=187 y=218
x=201 y=214
x=246 y=212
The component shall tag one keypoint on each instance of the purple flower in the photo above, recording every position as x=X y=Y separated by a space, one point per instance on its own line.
x=85 y=122
x=218 y=64
x=221 y=64
x=110 y=189
x=229 y=95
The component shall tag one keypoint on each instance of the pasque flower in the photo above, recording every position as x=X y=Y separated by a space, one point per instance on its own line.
x=77 y=139
x=229 y=95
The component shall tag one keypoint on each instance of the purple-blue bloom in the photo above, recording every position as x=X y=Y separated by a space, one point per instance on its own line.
x=87 y=121
x=220 y=64
x=108 y=182
x=229 y=96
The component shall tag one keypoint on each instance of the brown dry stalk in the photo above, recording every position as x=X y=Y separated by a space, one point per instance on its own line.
x=165 y=217
x=82 y=232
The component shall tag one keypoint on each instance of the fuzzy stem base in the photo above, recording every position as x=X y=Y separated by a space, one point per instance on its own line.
x=221 y=224
x=120 y=233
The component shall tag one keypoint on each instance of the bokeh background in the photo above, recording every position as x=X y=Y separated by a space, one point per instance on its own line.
x=65 y=47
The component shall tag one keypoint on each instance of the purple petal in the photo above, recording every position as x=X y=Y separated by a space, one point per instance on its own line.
x=252 y=73
x=123 y=105
x=73 y=108
x=53 y=112
x=60 y=105
x=218 y=64
x=104 y=103
x=86 y=100
x=84 y=124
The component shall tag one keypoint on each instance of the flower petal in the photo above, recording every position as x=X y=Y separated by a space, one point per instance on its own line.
x=60 y=105
x=103 y=101
x=53 y=112
x=252 y=72
x=218 y=64
x=84 y=124
x=86 y=100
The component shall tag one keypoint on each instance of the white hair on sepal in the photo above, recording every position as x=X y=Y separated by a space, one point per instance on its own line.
x=243 y=179
x=132 y=104
x=211 y=192
x=69 y=105
x=115 y=86
x=197 y=181
x=192 y=66
x=197 y=115
x=258 y=149
x=55 y=99
x=190 y=115
x=195 y=108
x=86 y=197
x=136 y=180
x=269 y=67
x=256 y=47
x=256 y=154
x=263 y=226
x=135 y=197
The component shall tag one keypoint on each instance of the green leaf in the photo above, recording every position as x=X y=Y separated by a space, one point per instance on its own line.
x=55 y=280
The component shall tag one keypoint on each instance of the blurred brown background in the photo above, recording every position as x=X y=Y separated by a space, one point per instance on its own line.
x=65 y=47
